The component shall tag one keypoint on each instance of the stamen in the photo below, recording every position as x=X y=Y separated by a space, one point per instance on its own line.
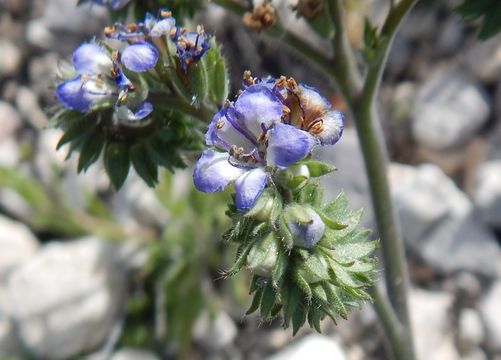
x=165 y=13
x=281 y=81
x=248 y=79
x=316 y=127
x=219 y=124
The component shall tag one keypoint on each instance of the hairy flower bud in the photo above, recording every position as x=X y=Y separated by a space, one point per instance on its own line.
x=305 y=225
x=263 y=256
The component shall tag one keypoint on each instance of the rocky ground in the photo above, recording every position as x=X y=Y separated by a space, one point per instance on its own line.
x=441 y=113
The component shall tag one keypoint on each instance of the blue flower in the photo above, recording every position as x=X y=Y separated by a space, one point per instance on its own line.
x=113 y=4
x=191 y=46
x=306 y=108
x=248 y=139
x=123 y=114
x=162 y=24
x=98 y=80
x=99 y=77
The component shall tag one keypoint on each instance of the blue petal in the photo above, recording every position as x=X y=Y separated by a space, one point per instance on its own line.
x=126 y=114
x=225 y=131
x=72 y=96
x=213 y=172
x=249 y=187
x=259 y=107
x=307 y=235
x=287 y=145
x=140 y=57
x=333 y=125
x=118 y=4
x=90 y=58
x=163 y=27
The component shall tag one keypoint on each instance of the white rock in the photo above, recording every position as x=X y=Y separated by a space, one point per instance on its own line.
x=471 y=330
x=433 y=337
x=449 y=109
x=9 y=152
x=487 y=196
x=214 y=331
x=64 y=300
x=317 y=347
x=10 y=59
x=10 y=120
x=437 y=219
x=134 y=354
x=17 y=244
x=489 y=309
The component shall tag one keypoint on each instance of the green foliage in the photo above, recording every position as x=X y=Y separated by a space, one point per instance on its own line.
x=303 y=284
x=487 y=13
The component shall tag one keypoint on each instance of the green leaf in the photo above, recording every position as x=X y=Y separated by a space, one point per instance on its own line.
x=291 y=298
x=334 y=299
x=90 y=150
x=143 y=163
x=241 y=258
x=488 y=12
x=319 y=168
x=197 y=78
x=330 y=222
x=314 y=318
x=256 y=300
x=78 y=127
x=268 y=300
x=311 y=194
x=298 y=318
x=116 y=163
x=284 y=233
x=280 y=269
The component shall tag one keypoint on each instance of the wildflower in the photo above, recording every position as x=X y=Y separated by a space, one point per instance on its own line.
x=191 y=46
x=123 y=114
x=113 y=4
x=163 y=24
x=98 y=79
x=252 y=140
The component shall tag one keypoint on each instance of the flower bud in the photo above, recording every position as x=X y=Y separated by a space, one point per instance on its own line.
x=305 y=225
x=262 y=258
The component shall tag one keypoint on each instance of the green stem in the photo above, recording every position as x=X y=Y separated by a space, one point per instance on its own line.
x=203 y=111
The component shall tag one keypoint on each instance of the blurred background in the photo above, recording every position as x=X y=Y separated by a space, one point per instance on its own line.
x=86 y=272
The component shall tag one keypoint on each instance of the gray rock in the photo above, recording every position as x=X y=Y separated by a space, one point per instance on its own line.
x=433 y=336
x=487 y=196
x=350 y=176
x=138 y=204
x=315 y=346
x=17 y=242
x=10 y=61
x=450 y=36
x=9 y=344
x=489 y=308
x=10 y=120
x=437 y=219
x=450 y=108
x=64 y=300
x=42 y=72
x=134 y=354
x=484 y=59
x=77 y=23
x=470 y=330
x=214 y=331
x=27 y=104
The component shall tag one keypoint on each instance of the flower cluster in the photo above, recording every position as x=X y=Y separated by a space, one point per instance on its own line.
x=130 y=90
x=272 y=125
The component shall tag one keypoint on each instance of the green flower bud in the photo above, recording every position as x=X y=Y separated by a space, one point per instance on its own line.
x=263 y=256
